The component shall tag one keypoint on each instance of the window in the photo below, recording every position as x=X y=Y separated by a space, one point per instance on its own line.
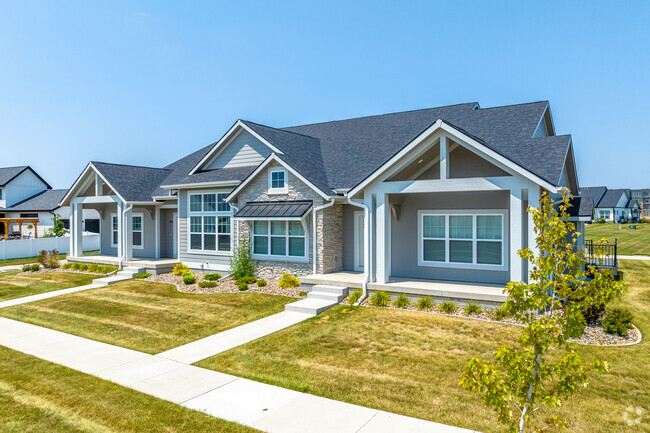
x=114 y=232
x=462 y=239
x=604 y=214
x=209 y=221
x=278 y=181
x=279 y=239
x=29 y=215
x=137 y=223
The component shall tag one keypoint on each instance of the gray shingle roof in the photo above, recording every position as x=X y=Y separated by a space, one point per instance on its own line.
x=47 y=200
x=275 y=209
x=133 y=183
x=593 y=192
x=581 y=207
x=7 y=174
x=611 y=198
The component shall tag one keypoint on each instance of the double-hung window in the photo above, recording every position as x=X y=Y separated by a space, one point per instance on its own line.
x=464 y=239
x=278 y=181
x=137 y=225
x=279 y=240
x=209 y=222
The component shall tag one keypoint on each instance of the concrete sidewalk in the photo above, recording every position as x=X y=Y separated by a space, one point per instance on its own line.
x=265 y=407
x=634 y=257
x=46 y=295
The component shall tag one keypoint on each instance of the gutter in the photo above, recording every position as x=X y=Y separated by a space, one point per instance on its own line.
x=366 y=237
x=316 y=209
x=124 y=232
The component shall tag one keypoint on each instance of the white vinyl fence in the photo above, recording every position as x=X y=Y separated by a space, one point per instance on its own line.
x=15 y=249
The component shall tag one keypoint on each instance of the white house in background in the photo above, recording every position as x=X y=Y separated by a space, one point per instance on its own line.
x=25 y=194
x=425 y=202
x=612 y=205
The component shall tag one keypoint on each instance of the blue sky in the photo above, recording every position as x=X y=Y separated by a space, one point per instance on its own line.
x=148 y=82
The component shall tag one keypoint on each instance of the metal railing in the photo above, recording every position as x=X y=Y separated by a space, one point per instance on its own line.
x=605 y=255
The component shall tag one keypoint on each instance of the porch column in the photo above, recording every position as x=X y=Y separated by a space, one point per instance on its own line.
x=533 y=201
x=383 y=238
x=368 y=219
x=76 y=233
x=128 y=236
x=120 y=231
x=157 y=223
x=516 y=232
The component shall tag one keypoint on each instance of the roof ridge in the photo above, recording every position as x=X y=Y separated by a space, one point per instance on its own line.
x=14 y=166
x=131 y=165
x=514 y=105
x=279 y=129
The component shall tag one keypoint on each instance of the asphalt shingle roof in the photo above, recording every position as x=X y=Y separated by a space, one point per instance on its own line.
x=133 y=183
x=275 y=209
x=7 y=174
x=47 y=200
x=611 y=198
x=581 y=207
x=593 y=192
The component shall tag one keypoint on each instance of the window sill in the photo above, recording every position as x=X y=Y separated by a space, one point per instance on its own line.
x=281 y=258
x=210 y=252
x=453 y=265
x=278 y=191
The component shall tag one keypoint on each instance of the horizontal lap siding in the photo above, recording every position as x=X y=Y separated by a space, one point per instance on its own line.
x=243 y=151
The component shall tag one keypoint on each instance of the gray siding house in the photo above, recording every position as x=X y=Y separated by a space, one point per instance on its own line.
x=428 y=201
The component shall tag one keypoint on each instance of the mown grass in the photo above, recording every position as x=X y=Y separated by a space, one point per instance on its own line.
x=145 y=316
x=27 y=260
x=410 y=363
x=16 y=286
x=630 y=242
x=39 y=396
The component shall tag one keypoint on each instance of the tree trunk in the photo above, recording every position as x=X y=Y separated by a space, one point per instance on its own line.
x=522 y=420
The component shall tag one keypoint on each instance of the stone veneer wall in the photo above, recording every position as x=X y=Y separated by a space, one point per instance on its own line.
x=329 y=227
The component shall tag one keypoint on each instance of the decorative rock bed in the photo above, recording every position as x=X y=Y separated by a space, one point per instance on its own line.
x=224 y=286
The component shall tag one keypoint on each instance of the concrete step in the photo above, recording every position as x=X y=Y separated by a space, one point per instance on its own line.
x=337 y=290
x=310 y=306
x=325 y=296
x=106 y=281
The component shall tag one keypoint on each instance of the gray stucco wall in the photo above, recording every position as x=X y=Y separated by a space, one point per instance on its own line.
x=348 y=237
x=404 y=234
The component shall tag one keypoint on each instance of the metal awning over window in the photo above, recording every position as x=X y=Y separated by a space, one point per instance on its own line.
x=284 y=210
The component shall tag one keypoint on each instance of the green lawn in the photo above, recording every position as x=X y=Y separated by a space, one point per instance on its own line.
x=145 y=316
x=39 y=396
x=16 y=286
x=26 y=260
x=630 y=242
x=410 y=363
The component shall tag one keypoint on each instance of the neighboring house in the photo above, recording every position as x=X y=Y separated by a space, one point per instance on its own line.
x=26 y=195
x=405 y=198
x=642 y=196
x=612 y=205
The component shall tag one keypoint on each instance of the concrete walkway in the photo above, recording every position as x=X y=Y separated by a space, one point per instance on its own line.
x=634 y=257
x=265 y=407
x=46 y=295
x=10 y=268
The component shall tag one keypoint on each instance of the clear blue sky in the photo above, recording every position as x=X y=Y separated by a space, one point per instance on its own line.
x=148 y=82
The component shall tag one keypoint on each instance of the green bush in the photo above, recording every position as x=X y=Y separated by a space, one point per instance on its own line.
x=425 y=303
x=67 y=266
x=473 y=308
x=42 y=257
x=247 y=280
x=617 y=321
x=355 y=296
x=180 y=269
x=499 y=314
x=241 y=261
x=288 y=281
x=402 y=301
x=142 y=275
x=206 y=284
x=261 y=283
x=212 y=277
x=242 y=285
x=31 y=268
x=448 y=307
x=91 y=267
x=189 y=278
x=380 y=299
x=303 y=293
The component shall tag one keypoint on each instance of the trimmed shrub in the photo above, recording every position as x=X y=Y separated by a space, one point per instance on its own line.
x=189 y=278
x=42 y=257
x=617 y=321
x=52 y=259
x=473 y=308
x=425 y=303
x=303 y=293
x=67 y=266
x=142 y=275
x=242 y=285
x=355 y=296
x=212 y=277
x=31 y=268
x=247 y=280
x=448 y=307
x=380 y=299
x=402 y=301
x=241 y=261
x=288 y=281
x=261 y=283
x=499 y=314
x=180 y=269
x=206 y=284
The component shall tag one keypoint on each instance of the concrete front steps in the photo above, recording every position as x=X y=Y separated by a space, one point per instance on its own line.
x=126 y=273
x=319 y=299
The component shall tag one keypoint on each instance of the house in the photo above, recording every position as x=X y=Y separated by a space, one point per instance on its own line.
x=429 y=201
x=642 y=197
x=26 y=199
x=612 y=205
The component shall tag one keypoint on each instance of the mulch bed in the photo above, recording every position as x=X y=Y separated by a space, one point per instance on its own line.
x=225 y=286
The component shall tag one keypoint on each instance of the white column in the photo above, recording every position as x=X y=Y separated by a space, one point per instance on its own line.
x=383 y=245
x=533 y=201
x=72 y=244
x=444 y=163
x=157 y=223
x=77 y=232
x=128 y=236
x=120 y=228
x=516 y=238
x=368 y=235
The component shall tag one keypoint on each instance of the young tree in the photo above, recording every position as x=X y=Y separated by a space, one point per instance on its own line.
x=58 y=228
x=525 y=378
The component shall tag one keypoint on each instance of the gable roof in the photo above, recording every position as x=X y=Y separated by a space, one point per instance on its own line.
x=7 y=174
x=593 y=192
x=581 y=207
x=611 y=198
x=47 y=200
x=131 y=182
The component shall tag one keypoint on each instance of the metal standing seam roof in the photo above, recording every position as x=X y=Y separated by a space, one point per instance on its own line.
x=275 y=209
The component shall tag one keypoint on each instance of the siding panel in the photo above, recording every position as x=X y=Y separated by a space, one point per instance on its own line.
x=243 y=151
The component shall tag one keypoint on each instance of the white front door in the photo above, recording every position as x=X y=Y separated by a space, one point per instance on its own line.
x=175 y=235
x=358 y=241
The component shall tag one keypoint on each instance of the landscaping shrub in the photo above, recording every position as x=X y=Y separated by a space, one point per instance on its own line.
x=247 y=280
x=189 y=278
x=212 y=277
x=473 y=308
x=288 y=281
x=380 y=299
x=261 y=283
x=499 y=314
x=617 y=321
x=241 y=261
x=180 y=269
x=31 y=268
x=67 y=266
x=303 y=293
x=205 y=284
x=52 y=259
x=142 y=275
x=402 y=301
x=425 y=303
x=242 y=285
x=355 y=296
x=90 y=267
x=42 y=257
x=448 y=307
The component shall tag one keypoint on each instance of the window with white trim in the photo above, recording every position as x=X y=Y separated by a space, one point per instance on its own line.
x=471 y=239
x=114 y=230
x=209 y=222
x=278 y=181
x=604 y=214
x=279 y=239
x=137 y=236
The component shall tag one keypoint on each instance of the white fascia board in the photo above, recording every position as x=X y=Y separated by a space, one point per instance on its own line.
x=273 y=157
x=441 y=125
x=225 y=138
x=79 y=181
x=202 y=184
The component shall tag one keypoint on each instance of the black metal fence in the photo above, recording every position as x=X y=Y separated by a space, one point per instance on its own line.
x=602 y=255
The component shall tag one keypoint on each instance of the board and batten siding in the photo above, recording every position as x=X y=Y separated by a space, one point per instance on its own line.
x=22 y=187
x=242 y=151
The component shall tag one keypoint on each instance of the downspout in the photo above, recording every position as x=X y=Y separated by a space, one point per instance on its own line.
x=313 y=242
x=124 y=233
x=236 y=231
x=366 y=237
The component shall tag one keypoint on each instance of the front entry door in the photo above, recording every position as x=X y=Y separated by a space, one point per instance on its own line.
x=358 y=241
